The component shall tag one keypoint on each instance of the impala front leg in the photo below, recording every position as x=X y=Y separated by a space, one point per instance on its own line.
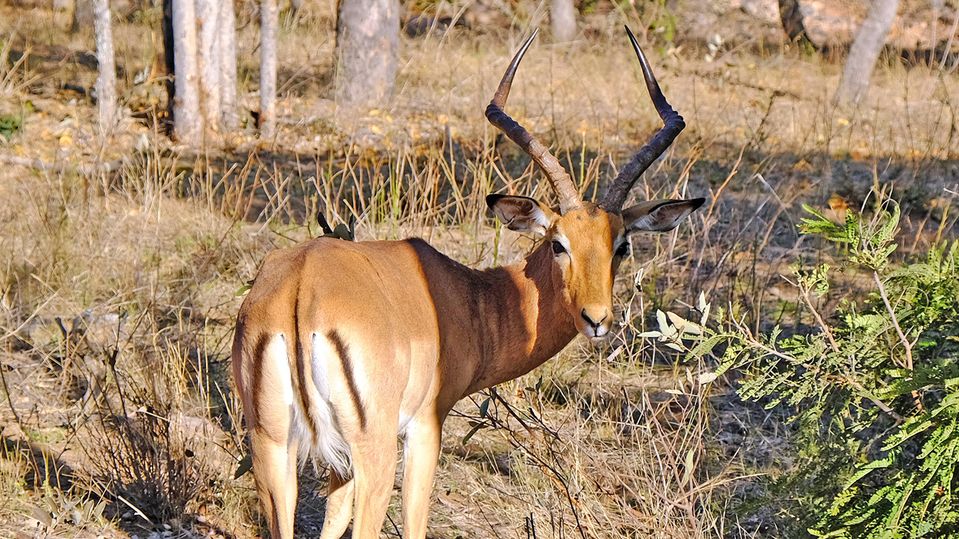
x=420 y=457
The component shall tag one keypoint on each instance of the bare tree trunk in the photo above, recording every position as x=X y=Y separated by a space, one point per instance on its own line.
x=107 y=72
x=186 y=104
x=562 y=18
x=208 y=63
x=269 y=21
x=201 y=34
x=367 y=46
x=228 y=116
x=865 y=50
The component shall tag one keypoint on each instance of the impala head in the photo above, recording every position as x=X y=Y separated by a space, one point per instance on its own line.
x=588 y=240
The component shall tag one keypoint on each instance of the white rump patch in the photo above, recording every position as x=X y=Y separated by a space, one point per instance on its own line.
x=329 y=444
x=278 y=358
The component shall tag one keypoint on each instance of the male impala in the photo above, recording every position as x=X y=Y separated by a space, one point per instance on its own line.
x=341 y=347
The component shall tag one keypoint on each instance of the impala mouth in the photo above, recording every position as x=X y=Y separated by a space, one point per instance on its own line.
x=596 y=334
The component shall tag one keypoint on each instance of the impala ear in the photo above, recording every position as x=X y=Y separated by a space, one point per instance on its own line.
x=522 y=214
x=659 y=215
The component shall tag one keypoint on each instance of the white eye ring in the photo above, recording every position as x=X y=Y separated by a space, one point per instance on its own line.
x=560 y=245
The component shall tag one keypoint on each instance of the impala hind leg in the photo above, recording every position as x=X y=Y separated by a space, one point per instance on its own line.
x=274 y=468
x=374 y=467
x=421 y=453
x=273 y=440
x=339 y=507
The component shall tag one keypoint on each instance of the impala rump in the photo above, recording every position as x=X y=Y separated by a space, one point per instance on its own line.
x=303 y=370
x=289 y=405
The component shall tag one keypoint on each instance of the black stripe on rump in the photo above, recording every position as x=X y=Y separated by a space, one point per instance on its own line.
x=343 y=351
x=301 y=372
x=258 y=350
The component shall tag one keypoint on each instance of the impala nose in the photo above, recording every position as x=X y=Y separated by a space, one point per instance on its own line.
x=595 y=317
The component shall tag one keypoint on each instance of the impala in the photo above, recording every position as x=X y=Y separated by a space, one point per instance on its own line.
x=342 y=347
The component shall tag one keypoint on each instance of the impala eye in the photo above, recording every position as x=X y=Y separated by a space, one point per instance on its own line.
x=558 y=248
x=623 y=249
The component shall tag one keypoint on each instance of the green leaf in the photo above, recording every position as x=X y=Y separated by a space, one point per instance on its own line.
x=471 y=432
x=706 y=346
x=865 y=469
x=484 y=407
x=244 y=466
x=243 y=289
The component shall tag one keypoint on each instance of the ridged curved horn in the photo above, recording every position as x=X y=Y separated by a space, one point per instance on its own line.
x=673 y=124
x=558 y=178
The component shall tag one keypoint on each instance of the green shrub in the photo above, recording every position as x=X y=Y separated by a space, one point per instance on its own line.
x=872 y=391
x=9 y=125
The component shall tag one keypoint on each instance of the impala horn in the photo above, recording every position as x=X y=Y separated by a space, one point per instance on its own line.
x=673 y=124
x=558 y=178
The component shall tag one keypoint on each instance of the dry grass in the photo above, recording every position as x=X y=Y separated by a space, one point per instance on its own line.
x=119 y=289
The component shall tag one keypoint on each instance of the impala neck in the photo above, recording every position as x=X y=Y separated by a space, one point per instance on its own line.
x=527 y=322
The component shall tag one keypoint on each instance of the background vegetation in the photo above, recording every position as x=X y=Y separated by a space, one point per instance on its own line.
x=814 y=394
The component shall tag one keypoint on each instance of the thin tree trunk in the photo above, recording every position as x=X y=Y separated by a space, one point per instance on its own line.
x=186 y=104
x=228 y=115
x=208 y=63
x=168 y=48
x=107 y=72
x=865 y=50
x=269 y=21
x=367 y=45
x=562 y=18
